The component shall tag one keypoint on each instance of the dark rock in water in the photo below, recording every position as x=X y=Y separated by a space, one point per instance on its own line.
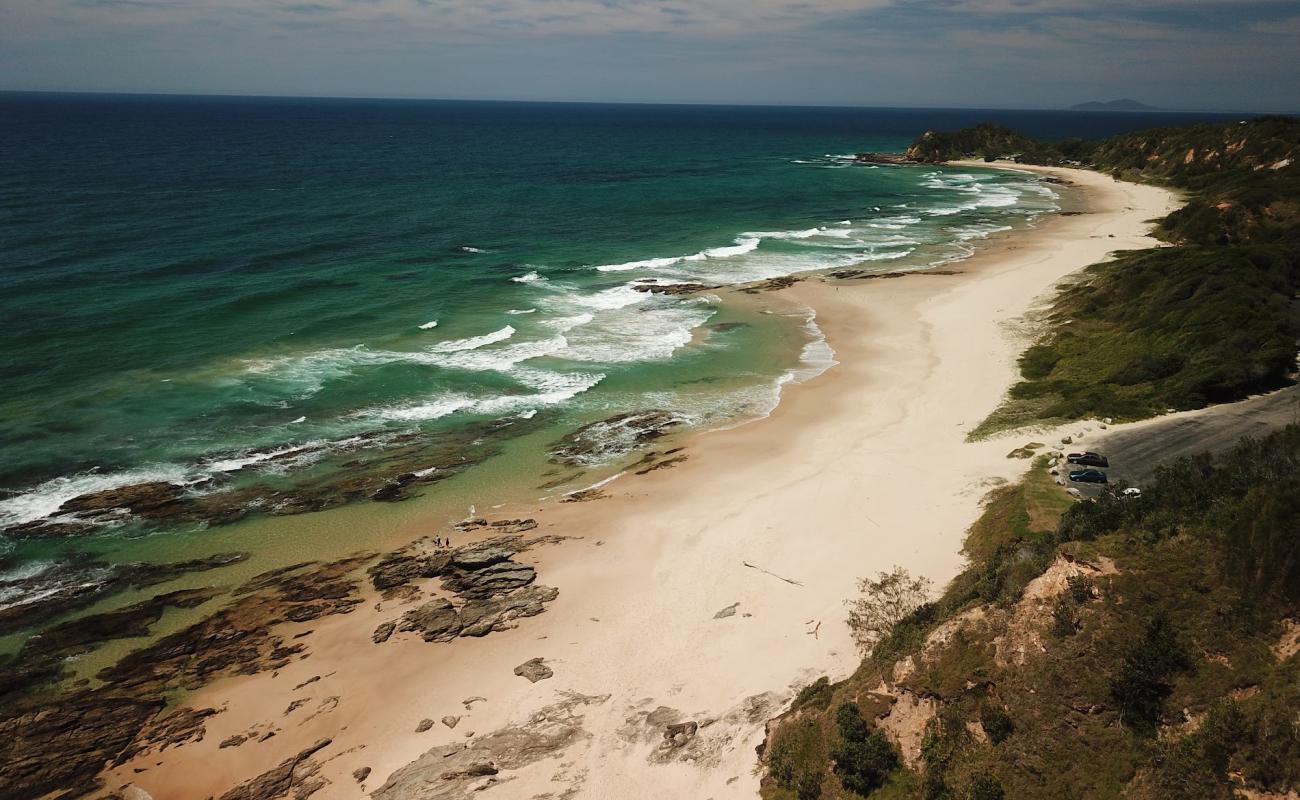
x=772 y=284
x=616 y=436
x=891 y=159
x=435 y=621
x=78 y=635
x=48 y=529
x=296 y=776
x=72 y=585
x=425 y=724
x=61 y=747
x=238 y=639
x=534 y=669
x=672 y=288
x=481 y=617
x=232 y=741
x=496 y=578
x=360 y=774
x=136 y=498
x=723 y=327
x=390 y=493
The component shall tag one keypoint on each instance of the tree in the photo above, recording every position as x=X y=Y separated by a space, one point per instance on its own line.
x=882 y=603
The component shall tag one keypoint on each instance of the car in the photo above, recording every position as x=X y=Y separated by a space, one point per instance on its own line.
x=1088 y=459
x=1088 y=476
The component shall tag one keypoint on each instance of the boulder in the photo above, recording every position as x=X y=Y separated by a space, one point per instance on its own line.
x=435 y=621
x=534 y=669
x=481 y=617
x=497 y=578
x=382 y=633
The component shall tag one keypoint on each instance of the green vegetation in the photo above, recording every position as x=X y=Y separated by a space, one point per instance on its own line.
x=1172 y=679
x=1209 y=321
x=1156 y=329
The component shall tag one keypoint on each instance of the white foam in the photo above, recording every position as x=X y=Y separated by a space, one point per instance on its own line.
x=552 y=388
x=522 y=311
x=743 y=245
x=648 y=263
x=298 y=420
x=466 y=248
x=475 y=342
x=529 y=277
x=44 y=499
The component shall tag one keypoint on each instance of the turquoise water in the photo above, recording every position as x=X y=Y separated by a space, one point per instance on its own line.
x=234 y=293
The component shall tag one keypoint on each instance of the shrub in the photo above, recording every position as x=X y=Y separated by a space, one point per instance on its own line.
x=865 y=757
x=986 y=787
x=1064 y=620
x=1079 y=588
x=815 y=695
x=1142 y=684
x=995 y=722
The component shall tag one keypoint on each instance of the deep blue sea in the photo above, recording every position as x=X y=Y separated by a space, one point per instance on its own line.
x=233 y=293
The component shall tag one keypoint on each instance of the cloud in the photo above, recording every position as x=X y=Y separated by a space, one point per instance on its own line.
x=902 y=52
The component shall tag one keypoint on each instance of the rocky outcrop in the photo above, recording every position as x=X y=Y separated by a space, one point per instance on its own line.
x=772 y=284
x=170 y=730
x=481 y=617
x=451 y=772
x=61 y=747
x=891 y=159
x=68 y=586
x=296 y=777
x=489 y=580
x=80 y=635
x=402 y=567
x=238 y=639
x=672 y=288
x=534 y=669
x=140 y=498
x=435 y=621
x=615 y=436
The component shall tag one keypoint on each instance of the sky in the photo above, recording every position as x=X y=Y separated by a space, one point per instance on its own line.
x=1234 y=55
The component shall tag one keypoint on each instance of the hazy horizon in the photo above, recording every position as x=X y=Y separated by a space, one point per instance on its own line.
x=1181 y=55
x=701 y=104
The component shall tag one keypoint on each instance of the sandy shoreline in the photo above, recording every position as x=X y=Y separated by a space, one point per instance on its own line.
x=858 y=470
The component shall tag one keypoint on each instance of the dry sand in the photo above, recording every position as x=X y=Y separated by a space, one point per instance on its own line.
x=858 y=470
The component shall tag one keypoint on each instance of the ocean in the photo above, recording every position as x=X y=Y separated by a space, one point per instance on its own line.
x=266 y=307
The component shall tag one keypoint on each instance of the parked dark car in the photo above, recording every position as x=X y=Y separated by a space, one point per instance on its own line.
x=1088 y=459
x=1088 y=476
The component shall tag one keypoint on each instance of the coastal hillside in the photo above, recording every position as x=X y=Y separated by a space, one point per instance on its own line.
x=1212 y=319
x=1129 y=647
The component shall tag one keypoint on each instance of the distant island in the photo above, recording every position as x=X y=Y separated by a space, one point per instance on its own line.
x=1114 y=105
